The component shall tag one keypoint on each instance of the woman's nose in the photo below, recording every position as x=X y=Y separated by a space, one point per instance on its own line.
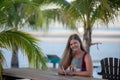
x=73 y=45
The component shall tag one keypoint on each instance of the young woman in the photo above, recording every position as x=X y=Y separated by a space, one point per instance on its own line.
x=76 y=61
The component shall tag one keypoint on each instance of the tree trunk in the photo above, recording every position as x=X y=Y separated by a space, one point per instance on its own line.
x=14 y=61
x=87 y=38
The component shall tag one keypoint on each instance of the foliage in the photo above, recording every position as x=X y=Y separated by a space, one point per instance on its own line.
x=15 y=14
x=88 y=12
x=19 y=13
x=1 y=62
x=26 y=43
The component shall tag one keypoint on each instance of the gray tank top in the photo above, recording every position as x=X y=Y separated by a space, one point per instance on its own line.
x=77 y=62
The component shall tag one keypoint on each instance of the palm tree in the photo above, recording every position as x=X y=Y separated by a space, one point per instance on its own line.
x=17 y=13
x=1 y=62
x=88 y=12
x=26 y=43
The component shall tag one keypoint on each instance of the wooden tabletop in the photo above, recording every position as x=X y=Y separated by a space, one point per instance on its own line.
x=34 y=74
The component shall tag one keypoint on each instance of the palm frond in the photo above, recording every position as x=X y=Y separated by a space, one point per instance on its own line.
x=1 y=63
x=27 y=43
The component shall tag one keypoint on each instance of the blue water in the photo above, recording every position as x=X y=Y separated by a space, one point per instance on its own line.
x=106 y=49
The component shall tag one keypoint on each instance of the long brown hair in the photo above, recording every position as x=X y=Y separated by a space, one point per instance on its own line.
x=67 y=54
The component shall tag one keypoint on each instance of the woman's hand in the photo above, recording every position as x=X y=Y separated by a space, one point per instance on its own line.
x=70 y=73
x=61 y=72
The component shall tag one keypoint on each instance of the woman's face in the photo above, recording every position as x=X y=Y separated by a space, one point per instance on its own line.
x=74 y=45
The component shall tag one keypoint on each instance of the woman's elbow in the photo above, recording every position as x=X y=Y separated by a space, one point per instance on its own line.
x=90 y=74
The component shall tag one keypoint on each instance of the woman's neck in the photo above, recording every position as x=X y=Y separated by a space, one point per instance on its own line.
x=78 y=54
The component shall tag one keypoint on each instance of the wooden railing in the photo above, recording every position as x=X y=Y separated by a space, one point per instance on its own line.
x=34 y=74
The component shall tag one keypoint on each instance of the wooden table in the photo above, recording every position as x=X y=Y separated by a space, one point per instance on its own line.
x=33 y=74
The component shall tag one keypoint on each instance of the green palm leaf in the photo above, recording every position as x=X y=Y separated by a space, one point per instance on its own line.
x=27 y=43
